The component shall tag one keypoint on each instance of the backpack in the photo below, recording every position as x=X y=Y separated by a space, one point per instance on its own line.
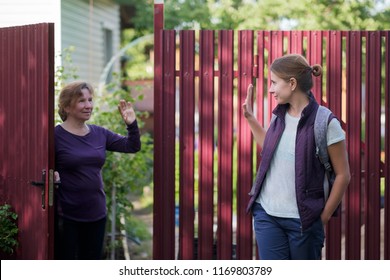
x=321 y=123
x=322 y=120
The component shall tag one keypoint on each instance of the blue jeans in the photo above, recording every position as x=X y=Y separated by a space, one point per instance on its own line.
x=282 y=238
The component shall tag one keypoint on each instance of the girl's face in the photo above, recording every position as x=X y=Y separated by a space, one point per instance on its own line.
x=81 y=109
x=280 y=89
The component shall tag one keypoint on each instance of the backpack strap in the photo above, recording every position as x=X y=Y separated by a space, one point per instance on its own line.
x=320 y=131
x=321 y=123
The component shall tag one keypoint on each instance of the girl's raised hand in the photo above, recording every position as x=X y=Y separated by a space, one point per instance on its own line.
x=247 y=108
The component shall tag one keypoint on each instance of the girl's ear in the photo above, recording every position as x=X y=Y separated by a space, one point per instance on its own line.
x=293 y=84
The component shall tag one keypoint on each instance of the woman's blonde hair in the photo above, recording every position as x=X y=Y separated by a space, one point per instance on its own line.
x=69 y=95
x=296 y=66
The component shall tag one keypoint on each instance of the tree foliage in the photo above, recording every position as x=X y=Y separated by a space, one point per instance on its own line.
x=264 y=15
x=245 y=14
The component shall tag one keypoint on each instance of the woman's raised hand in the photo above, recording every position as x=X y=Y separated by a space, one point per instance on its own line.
x=127 y=112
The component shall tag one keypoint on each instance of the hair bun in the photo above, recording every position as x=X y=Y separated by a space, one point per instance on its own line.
x=316 y=69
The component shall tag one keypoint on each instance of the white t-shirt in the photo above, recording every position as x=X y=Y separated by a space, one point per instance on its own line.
x=278 y=196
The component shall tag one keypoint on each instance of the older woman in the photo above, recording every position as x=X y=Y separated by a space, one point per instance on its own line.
x=80 y=150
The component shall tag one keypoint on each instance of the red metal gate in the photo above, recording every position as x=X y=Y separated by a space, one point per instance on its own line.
x=26 y=134
x=202 y=117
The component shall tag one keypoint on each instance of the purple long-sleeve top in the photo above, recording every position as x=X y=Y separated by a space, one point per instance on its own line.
x=79 y=161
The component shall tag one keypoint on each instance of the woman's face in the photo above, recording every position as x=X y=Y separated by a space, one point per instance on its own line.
x=81 y=109
x=280 y=89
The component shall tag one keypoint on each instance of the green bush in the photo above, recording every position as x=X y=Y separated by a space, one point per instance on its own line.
x=8 y=229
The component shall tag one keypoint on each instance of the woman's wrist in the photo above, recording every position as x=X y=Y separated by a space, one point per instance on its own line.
x=132 y=123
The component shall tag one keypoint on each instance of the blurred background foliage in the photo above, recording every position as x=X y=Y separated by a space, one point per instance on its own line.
x=137 y=19
x=260 y=15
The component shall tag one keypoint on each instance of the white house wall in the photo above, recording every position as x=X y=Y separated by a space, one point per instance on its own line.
x=83 y=25
x=77 y=23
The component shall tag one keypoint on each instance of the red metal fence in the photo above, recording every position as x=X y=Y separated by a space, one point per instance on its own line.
x=200 y=83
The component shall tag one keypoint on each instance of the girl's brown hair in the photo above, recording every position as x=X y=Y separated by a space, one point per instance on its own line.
x=69 y=95
x=296 y=66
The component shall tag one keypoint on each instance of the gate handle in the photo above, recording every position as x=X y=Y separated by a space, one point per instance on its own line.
x=41 y=184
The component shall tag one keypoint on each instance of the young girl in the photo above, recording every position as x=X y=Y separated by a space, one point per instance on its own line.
x=287 y=198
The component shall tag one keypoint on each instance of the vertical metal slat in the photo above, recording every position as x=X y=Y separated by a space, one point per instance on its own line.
x=158 y=171
x=206 y=145
x=353 y=131
x=372 y=146
x=387 y=148
x=164 y=208
x=244 y=144
x=187 y=124
x=225 y=143
x=333 y=81
x=314 y=56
